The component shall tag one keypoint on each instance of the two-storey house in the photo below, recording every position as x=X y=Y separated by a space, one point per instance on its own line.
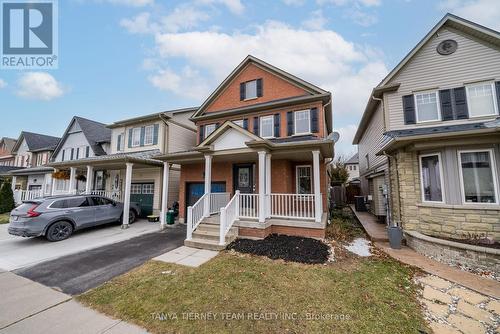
x=429 y=139
x=352 y=166
x=258 y=166
x=32 y=151
x=117 y=160
x=6 y=156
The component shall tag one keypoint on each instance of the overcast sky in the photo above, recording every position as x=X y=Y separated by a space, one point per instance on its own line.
x=124 y=58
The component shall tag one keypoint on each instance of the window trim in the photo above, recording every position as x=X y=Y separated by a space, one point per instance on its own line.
x=239 y=120
x=494 y=96
x=205 y=135
x=261 y=118
x=138 y=129
x=297 y=179
x=441 y=177
x=438 y=102
x=295 y=133
x=256 y=95
x=493 y=171
x=152 y=134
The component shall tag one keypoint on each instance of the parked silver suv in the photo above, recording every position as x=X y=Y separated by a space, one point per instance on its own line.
x=58 y=217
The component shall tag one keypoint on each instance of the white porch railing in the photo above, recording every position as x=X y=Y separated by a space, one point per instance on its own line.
x=195 y=216
x=228 y=215
x=293 y=206
x=26 y=195
x=249 y=205
x=217 y=201
x=115 y=195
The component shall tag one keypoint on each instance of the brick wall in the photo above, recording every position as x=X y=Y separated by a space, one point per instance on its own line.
x=286 y=230
x=446 y=221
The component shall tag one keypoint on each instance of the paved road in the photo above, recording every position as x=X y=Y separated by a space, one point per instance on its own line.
x=77 y=273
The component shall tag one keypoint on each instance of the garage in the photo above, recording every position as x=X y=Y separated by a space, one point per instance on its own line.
x=143 y=195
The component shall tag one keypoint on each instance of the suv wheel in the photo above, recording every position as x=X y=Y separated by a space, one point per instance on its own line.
x=59 y=231
x=131 y=217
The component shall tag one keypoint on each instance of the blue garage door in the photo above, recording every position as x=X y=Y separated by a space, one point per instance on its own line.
x=196 y=189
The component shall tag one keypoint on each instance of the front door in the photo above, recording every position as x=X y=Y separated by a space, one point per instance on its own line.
x=243 y=178
x=143 y=195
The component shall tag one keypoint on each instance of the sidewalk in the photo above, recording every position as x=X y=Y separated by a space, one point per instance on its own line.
x=29 y=307
x=378 y=235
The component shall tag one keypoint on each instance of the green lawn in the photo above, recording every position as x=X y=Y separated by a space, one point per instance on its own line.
x=4 y=218
x=369 y=295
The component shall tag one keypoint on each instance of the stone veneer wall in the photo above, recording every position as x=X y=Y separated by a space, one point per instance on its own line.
x=447 y=221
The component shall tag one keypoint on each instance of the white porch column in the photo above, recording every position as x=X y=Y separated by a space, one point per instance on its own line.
x=262 y=186
x=13 y=185
x=90 y=178
x=53 y=186
x=164 y=194
x=126 y=199
x=208 y=184
x=317 y=190
x=72 y=180
x=268 y=185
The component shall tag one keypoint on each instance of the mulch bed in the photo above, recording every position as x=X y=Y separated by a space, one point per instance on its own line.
x=288 y=248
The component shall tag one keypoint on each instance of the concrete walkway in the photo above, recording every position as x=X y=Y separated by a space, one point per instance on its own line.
x=29 y=307
x=187 y=256
x=407 y=255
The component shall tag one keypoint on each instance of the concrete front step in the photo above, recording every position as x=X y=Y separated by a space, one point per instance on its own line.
x=214 y=235
x=205 y=244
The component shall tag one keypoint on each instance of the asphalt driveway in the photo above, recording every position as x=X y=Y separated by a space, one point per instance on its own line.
x=18 y=252
x=77 y=273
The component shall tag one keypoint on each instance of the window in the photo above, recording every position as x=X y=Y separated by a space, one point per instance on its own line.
x=304 y=180
x=136 y=137
x=267 y=126
x=209 y=128
x=427 y=106
x=354 y=167
x=478 y=174
x=431 y=179
x=78 y=202
x=148 y=188
x=148 y=135
x=238 y=122
x=136 y=189
x=481 y=99
x=302 y=122
x=101 y=201
x=251 y=90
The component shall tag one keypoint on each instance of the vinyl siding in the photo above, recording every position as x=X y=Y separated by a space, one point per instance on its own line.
x=125 y=130
x=371 y=142
x=173 y=186
x=180 y=138
x=427 y=70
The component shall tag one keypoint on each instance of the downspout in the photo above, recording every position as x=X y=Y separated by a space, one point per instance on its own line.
x=324 y=115
x=390 y=187
x=165 y=139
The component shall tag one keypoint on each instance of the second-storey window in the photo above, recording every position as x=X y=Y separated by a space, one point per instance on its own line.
x=478 y=174
x=250 y=89
x=267 y=126
x=148 y=135
x=238 y=122
x=209 y=128
x=302 y=122
x=431 y=178
x=427 y=107
x=481 y=99
x=136 y=137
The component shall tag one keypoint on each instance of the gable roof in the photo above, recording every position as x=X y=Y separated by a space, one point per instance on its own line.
x=308 y=87
x=36 y=142
x=449 y=20
x=222 y=129
x=151 y=117
x=94 y=132
x=9 y=143
x=353 y=160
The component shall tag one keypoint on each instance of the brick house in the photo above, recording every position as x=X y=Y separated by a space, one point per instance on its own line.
x=259 y=163
x=429 y=143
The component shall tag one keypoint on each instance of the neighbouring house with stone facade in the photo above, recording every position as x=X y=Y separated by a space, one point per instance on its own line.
x=258 y=166
x=32 y=151
x=117 y=160
x=429 y=144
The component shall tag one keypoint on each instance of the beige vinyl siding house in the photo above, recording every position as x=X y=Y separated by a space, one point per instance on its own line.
x=440 y=139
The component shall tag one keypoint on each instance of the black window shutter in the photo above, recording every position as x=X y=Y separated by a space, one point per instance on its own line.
x=289 y=123
x=202 y=133
x=277 y=125
x=72 y=151
x=314 y=120
x=155 y=134
x=242 y=91
x=460 y=99
x=63 y=154
x=256 y=126
x=497 y=87
x=118 y=142
x=259 y=87
x=129 y=138
x=77 y=153
x=87 y=151
x=446 y=105
x=409 y=109
x=245 y=123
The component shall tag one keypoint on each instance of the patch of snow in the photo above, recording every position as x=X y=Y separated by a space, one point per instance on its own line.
x=359 y=246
